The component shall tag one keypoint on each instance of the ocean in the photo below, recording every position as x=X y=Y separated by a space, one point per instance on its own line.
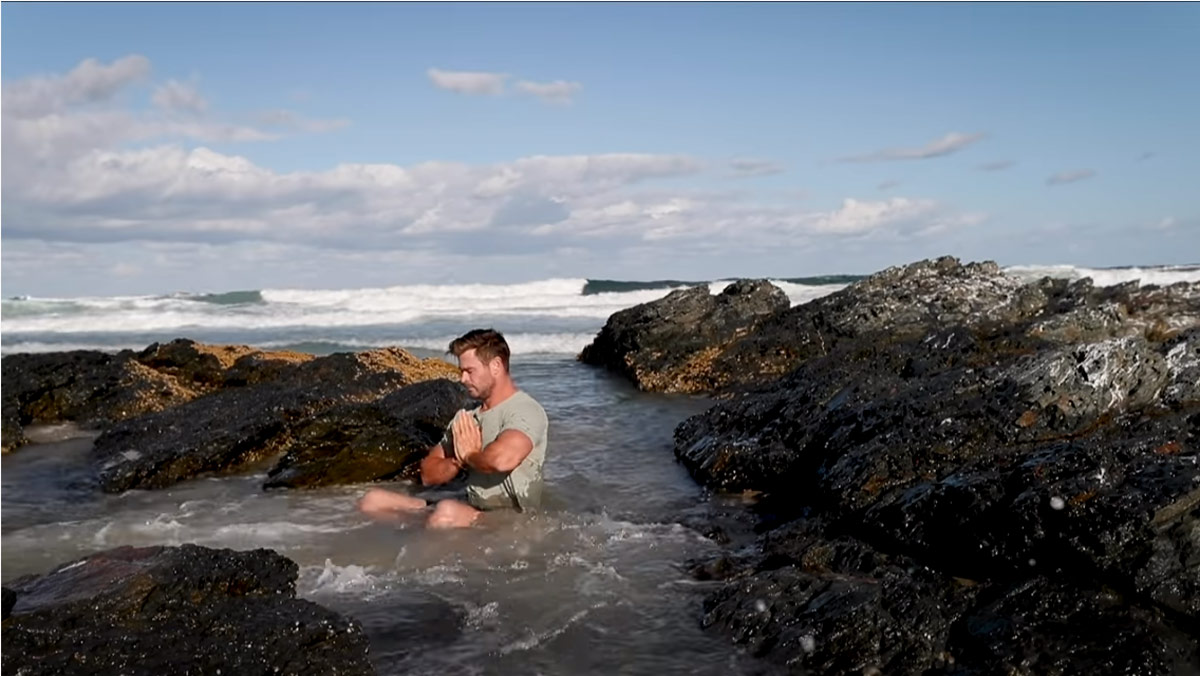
x=597 y=583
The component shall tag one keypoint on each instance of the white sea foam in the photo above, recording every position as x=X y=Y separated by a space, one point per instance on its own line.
x=550 y=316
x=1159 y=275
x=340 y=579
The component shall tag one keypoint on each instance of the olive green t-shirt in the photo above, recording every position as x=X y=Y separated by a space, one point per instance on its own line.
x=522 y=487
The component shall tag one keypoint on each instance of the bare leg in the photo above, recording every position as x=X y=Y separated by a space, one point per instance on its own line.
x=380 y=503
x=452 y=514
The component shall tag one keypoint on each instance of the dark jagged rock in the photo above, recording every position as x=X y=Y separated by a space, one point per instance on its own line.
x=236 y=427
x=12 y=434
x=374 y=441
x=667 y=345
x=87 y=387
x=95 y=389
x=1041 y=436
x=188 y=609
x=1043 y=627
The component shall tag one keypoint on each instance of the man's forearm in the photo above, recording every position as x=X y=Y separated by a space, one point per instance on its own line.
x=493 y=459
x=436 y=471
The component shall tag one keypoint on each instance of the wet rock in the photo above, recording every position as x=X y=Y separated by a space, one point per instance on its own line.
x=88 y=387
x=1042 y=443
x=667 y=345
x=188 y=609
x=1045 y=627
x=374 y=441
x=96 y=389
x=234 y=428
x=822 y=604
x=12 y=434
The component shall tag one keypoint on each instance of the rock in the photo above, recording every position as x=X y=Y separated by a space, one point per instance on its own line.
x=374 y=441
x=96 y=389
x=823 y=604
x=1182 y=356
x=208 y=367
x=1046 y=627
x=667 y=345
x=87 y=387
x=188 y=609
x=234 y=428
x=12 y=434
x=1042 y=444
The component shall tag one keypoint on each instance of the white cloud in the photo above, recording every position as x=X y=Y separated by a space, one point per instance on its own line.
x=53 y=126
x=855 y=217
x=468 y=82
x=89 y=82
x=1072 y=176
x=81 y=184
x=177 y=96
x=746 y=167
x=950 y=143
x=558 y=91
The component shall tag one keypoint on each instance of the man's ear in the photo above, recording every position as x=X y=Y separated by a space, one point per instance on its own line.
x=496 y=366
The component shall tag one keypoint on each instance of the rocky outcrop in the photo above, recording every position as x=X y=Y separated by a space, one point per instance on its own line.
x=974 y=476
x=95 y=389
x=188 y=609
x=236 y=427
x=669 y=345
x=374 y=441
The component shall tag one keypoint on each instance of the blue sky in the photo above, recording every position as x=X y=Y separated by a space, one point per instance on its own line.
x=158 y=147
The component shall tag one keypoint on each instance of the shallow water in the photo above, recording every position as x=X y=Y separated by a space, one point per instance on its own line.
x=593 y=584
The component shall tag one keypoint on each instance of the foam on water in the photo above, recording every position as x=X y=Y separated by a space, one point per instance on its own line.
x=1158 y=275
x=552 y=316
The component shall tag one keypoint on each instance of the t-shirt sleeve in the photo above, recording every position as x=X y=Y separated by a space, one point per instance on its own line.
x=531 y=420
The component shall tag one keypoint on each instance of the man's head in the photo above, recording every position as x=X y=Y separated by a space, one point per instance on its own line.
x=482 y=360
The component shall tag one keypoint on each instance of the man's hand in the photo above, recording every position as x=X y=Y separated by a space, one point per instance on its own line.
x=468 y=438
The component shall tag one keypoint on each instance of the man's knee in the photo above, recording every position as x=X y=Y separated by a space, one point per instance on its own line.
x=378 y=501
x=452 y=514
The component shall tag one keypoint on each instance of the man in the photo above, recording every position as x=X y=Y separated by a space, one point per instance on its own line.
x=501 y=443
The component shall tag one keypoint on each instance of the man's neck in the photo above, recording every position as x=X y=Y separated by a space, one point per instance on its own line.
x=500 y=392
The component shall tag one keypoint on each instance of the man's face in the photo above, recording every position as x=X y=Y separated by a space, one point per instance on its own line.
x=475 y=375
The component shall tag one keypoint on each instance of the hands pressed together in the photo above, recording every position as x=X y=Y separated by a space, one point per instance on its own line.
x=468 y=438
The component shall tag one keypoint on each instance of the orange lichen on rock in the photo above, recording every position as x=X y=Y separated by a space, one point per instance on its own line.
x=228 y=354
x=414 y=368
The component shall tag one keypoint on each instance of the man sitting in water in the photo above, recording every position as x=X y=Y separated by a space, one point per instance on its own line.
x=501 y=443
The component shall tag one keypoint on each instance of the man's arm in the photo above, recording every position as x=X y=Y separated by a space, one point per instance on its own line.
x=502 y=455
x=436 y=468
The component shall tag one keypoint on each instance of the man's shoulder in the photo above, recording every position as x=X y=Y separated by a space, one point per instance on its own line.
x=526 y=401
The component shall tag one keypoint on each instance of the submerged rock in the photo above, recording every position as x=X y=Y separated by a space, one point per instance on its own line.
x=669 y=344
x=188 y=609
x=1039 y=440
x=236 y=427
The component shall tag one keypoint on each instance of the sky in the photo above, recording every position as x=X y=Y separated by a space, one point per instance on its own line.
x=153 y=148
